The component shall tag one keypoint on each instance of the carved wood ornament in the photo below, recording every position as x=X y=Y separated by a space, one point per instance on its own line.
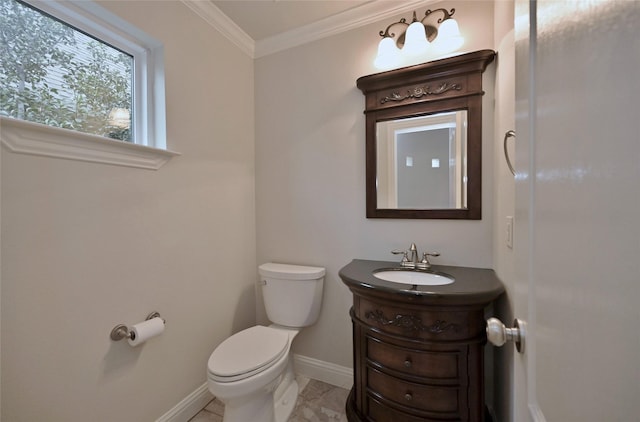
x=422 y=91
x=411 y=322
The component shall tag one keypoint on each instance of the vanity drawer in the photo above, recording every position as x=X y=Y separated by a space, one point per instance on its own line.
x=433 y=365
x=428 y=398
x=432 y=324
x=380 y=413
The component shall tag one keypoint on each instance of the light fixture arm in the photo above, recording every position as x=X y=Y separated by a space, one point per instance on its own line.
x=387 y=34
x=430 y=30
x=447 y=14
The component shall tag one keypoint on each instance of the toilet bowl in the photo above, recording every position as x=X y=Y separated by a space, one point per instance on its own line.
x=251 y=372
x=245 y=370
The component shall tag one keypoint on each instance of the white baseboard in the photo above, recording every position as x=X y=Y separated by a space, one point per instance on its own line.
x=330 y=373
x=189 y=406
x=333 y=374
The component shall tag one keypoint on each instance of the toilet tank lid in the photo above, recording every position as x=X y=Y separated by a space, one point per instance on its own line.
x=290 y=272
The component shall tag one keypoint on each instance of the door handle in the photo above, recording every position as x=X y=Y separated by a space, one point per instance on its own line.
x=509 y=134
x=498 y=334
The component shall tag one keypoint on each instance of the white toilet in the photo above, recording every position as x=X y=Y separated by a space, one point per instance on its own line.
x=251 y=372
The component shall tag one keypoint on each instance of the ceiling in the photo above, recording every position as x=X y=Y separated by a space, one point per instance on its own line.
x=267 y=18
x=263 y=27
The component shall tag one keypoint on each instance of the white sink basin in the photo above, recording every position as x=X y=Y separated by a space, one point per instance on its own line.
x=414 y=277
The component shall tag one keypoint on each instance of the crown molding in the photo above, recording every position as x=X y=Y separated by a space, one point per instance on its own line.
x=368 y=13
x=357 y=17
x=217 y=19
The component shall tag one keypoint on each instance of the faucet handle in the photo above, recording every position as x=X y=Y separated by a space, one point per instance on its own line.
x=405 y=257
x=425 y=260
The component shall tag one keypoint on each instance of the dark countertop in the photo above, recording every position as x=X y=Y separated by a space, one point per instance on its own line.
x=471 y=285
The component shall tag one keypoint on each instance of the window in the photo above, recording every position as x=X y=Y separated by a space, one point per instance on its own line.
x=78 y=67
x=56 y=75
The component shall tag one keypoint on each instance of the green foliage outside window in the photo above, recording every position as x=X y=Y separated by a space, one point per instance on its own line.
x=50 y=73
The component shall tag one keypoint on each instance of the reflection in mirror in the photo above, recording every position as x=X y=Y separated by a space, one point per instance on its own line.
x=422 y=162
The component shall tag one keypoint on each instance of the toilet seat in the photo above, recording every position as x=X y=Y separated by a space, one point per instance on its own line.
x=247 y=353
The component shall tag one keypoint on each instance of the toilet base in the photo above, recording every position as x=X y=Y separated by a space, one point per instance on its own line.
x=286 y=395
x=257 y=408
x=272 y=404
x=283 y=408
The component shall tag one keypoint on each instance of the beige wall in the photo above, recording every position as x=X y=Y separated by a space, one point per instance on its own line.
x=310 y=172
x=87 y=246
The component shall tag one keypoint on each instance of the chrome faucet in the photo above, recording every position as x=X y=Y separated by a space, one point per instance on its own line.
x=413 y=261
x=414 y=254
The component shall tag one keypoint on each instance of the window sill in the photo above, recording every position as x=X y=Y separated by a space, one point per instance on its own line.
x=36 y=139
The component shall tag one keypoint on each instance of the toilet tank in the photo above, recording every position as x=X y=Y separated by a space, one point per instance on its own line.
x=292 y=294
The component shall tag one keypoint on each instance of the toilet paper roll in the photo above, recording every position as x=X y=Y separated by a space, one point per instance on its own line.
x=145 y=330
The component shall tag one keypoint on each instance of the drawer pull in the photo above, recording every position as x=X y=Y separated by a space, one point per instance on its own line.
x=408 y=396
x=407 y=363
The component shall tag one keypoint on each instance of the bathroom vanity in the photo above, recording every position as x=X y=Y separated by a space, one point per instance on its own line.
x=418 y=349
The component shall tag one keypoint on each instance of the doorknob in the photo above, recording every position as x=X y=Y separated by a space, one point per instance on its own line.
x=498 y=334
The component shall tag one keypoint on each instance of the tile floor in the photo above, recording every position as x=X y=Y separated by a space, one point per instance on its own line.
x=317 y=402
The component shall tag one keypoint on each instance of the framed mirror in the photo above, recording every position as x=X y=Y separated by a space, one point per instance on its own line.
x=424 y=139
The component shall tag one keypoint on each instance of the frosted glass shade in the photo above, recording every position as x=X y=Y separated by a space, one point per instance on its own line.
x=449 y=28
x=388 y=54
x=415 y=41
x=449 y=38
x=120 y=117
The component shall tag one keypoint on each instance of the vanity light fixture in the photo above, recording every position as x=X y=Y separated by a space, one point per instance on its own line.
x=120 y=117
x=414 y=41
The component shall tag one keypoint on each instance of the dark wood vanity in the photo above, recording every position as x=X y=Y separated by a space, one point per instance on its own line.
x=418 y=350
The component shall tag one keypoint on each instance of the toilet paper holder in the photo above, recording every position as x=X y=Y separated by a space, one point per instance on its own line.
x=121 y=331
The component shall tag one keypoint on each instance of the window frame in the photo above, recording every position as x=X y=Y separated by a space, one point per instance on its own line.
x=148 y=123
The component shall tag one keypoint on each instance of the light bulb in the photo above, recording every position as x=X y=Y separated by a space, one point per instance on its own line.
x=415 y=40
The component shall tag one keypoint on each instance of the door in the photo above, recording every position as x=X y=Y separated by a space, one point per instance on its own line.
x=577 y=235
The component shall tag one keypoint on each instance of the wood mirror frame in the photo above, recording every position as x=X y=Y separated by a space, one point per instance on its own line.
x=439 y=86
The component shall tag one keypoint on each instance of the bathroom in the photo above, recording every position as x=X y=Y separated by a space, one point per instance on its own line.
x=271 y=168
